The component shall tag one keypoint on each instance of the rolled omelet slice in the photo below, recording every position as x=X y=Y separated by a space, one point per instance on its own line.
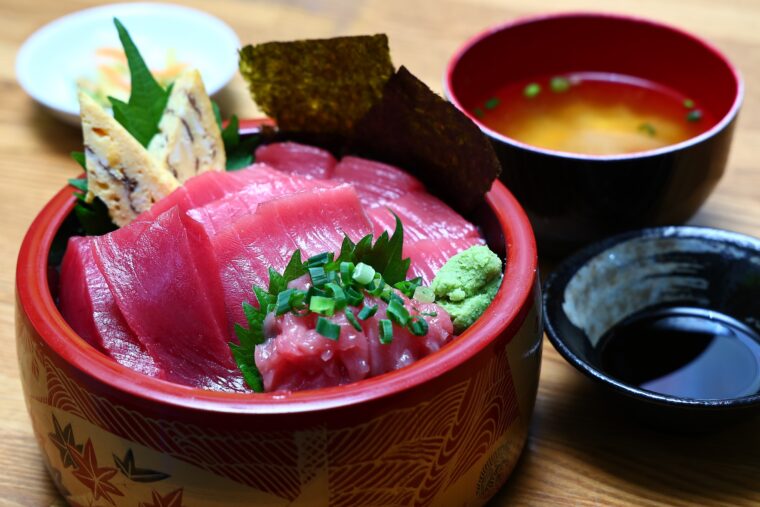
x=188 y=141
x=120 y=171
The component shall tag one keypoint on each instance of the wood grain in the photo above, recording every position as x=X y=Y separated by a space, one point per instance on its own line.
x=581 y=452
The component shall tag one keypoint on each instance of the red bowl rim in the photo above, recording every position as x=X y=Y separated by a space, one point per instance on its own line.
x=476 y=39
x=508 y=308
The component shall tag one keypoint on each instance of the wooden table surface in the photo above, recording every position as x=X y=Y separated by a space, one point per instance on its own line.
x=580 y=451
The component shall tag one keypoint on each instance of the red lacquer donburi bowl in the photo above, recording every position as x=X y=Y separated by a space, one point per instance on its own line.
x=446 y=430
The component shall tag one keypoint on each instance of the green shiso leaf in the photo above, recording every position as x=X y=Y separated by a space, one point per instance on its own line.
x=385 y=255
x=239 y=150
x=147 y=99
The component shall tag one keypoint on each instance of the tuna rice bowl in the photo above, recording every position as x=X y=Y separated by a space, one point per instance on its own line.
x=284 y=260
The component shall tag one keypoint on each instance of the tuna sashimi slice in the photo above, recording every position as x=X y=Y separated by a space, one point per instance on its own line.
x=318 y=220
x=297 y=357
x=424 y=217
x=314 y=221
x=89 y=307
x=261 y=185
x=165 y=280
x=207 y=187
x=295 y=158
x=429 y=255
x=375 y=182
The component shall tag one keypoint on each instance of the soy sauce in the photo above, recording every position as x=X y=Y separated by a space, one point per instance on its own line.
x=685 y=352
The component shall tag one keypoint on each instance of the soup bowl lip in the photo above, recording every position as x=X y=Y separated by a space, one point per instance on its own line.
x=504 y=315
x=727 y=119
x=553 y=294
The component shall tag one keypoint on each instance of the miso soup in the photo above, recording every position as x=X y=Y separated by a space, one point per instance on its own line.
x=593 y=113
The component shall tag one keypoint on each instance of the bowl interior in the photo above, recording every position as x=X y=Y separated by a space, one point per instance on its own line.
x=500 y=218
x=564 y=43
x=672 y=266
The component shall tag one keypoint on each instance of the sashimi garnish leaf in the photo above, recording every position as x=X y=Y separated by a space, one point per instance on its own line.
x=295 y=269
x=385 y=255
x=93 y=216
x=246 y=362
x=239 y=150
x=147 y=99
x=244 y=352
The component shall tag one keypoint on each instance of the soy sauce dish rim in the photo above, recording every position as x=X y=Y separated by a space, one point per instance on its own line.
x=473 y=41
x=554 y=288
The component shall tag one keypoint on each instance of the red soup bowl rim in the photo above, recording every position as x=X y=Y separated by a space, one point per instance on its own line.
x=504 y=315
x=526 y=20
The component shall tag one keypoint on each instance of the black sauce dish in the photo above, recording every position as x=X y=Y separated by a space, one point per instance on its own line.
x=574 y=199
x=713 y=272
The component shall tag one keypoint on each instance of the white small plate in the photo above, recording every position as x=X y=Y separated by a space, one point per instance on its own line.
x=55 y=56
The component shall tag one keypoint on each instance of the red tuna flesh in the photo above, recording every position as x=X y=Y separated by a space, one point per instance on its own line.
x=314 y=221
x=429 y=255
x=265 y=186
x=208 y=187
x=89 y=307
x=165 y=281
x=295 y=158
x=424 y=217
x=297 y=357
x=375 y=182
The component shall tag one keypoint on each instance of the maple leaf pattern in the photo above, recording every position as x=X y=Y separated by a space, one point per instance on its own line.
x=173 y=499
x=63 y=439
x=96 y=478
x=127 y=467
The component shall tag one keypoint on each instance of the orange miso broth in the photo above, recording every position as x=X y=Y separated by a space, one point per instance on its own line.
x=593 y=114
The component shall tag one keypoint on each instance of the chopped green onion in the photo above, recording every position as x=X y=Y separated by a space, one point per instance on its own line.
x=353 y=296
x=328 y=329
x=363 y=273
x=319 y=260
x=694 y=115
x=532 y=90
x=297 y=299
x=407 y=287
x=492 y=103
x=418 y=326
x=648 y=128
x=424 y=294
x=386 y=331
x=397 y=312
x=322 y=305
x=478 y=112
x=314 y=291
x=688 y=104
x=429 y=314
x=367 y=312
x=346 y=272
x=351 y=318
x=318 y=276
x=377 y=286
x=338 y=295
x=283 y=304
x=559 y=84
